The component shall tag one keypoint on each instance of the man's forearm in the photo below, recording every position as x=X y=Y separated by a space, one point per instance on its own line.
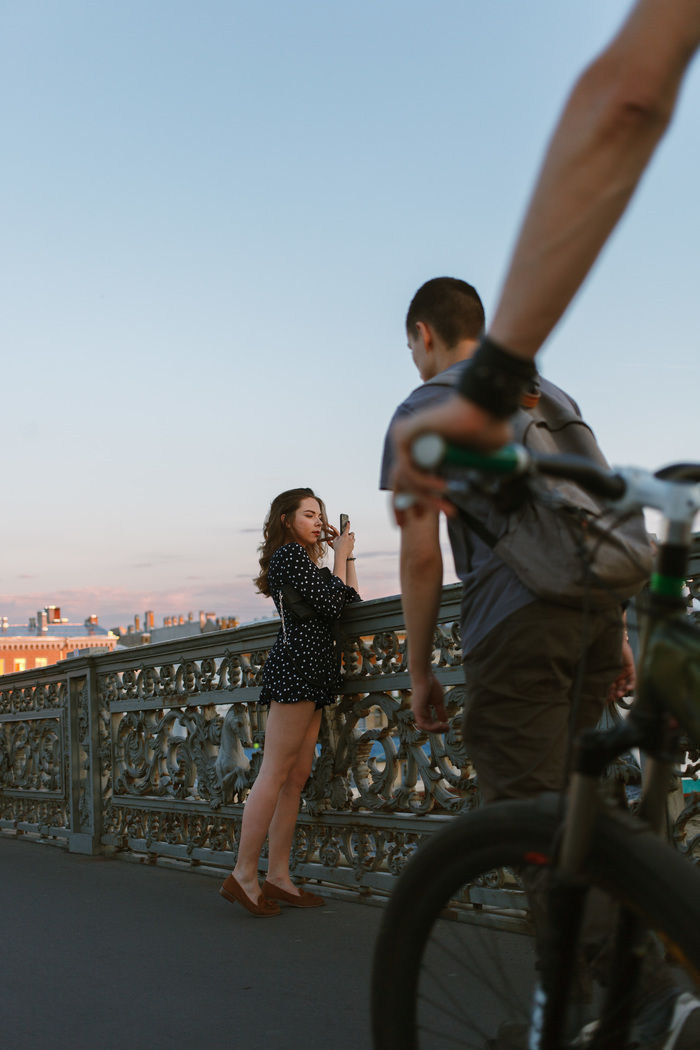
x=614 y=119
x=421 y=591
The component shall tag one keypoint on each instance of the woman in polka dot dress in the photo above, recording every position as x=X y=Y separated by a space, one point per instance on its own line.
x=300 y=678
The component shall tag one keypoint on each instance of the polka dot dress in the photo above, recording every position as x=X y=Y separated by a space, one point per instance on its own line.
x=307 y=652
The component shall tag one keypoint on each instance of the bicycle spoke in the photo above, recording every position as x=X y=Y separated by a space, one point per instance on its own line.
x=433 y=1034
x=439 y=1003
x=479 y=961
x=495 y=986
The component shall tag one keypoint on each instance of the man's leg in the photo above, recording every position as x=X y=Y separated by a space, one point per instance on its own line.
x=525 y=688
x=539 y=676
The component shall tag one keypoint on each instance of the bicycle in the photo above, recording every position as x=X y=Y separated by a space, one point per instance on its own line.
x=451 y=967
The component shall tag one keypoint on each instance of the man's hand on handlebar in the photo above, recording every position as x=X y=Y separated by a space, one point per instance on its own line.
x=458 y=421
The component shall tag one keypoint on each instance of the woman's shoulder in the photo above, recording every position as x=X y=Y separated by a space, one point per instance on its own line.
x=290 y=554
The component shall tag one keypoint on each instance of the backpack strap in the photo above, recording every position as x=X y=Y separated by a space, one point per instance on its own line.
x=477 y=527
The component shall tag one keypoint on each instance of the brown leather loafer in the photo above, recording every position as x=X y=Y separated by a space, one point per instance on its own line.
x=262 y=909
x=303 y=900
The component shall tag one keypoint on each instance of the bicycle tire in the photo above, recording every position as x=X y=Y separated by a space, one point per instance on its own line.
x=627 y=861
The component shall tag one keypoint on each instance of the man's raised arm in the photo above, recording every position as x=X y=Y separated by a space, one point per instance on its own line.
x=616 y=114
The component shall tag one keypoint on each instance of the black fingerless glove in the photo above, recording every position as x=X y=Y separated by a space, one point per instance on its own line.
x=496 y=380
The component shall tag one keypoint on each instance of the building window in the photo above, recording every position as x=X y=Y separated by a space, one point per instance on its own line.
x=40 y=661
x=21 y=664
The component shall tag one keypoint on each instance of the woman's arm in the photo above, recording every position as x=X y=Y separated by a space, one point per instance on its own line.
x=343 y=546
x=352 y=574
x=293 y=565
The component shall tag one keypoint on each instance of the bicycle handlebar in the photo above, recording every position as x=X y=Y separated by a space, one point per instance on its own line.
x=588 y=475
x=431 y=452
x=675 y=491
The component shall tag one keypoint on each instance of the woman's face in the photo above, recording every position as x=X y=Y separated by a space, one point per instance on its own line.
x=307 y=524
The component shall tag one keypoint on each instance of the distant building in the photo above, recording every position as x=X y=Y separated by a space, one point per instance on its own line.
x=173 y=627
x=48 y=638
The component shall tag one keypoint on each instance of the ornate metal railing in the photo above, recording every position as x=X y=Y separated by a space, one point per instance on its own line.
x=153 y=751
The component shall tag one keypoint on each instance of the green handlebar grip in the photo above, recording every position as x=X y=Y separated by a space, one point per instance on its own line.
x=430 y=451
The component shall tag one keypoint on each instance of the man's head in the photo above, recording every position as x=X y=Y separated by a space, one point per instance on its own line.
x=443 y=324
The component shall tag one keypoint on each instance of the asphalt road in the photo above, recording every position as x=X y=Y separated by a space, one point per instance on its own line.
x=103 y=954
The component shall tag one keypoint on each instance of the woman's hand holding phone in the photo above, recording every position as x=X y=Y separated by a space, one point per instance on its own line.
x=343 y=546
x=343 y=542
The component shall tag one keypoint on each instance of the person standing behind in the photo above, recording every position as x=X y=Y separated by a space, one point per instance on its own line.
x=300 y=678
x=521 y=654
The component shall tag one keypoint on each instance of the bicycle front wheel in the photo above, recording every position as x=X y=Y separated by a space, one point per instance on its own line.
x=456 y=962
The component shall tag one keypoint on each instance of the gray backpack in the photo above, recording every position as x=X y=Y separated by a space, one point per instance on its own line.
x=565 y=545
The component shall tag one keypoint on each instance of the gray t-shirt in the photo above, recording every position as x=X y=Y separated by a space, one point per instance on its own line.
x=490 y=589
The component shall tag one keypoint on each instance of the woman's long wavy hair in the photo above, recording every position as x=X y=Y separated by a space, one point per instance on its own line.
x=276 y=533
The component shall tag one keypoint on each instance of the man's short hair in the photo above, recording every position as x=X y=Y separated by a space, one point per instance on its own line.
x=451 y=307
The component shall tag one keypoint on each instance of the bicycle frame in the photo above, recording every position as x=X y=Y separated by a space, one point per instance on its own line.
x=669 y=667
x=667 y=701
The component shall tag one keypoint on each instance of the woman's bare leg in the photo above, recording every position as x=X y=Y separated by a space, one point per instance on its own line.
x=287 y=729
x=287 y=811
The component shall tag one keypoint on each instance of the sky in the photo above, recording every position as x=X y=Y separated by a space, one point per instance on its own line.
x=215 y=216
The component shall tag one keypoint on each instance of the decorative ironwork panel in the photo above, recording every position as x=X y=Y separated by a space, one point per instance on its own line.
x=34 y=760
x=31 y=755
x=178 y=681
x=182 y=740
x=86 y=803
x=35 y=696
x=177 y=731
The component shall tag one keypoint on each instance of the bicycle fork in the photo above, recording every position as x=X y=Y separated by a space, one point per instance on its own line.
x=566 y=901
x=568 y=890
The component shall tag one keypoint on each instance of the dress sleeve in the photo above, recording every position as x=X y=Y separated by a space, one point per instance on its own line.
x=327 y=596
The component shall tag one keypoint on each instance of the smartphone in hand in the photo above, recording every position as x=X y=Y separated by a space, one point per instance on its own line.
x=344 y=519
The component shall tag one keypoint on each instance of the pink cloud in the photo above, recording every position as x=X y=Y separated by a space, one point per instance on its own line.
x=117 y=606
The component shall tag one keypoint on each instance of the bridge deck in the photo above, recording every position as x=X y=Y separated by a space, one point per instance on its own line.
x=98 y=952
